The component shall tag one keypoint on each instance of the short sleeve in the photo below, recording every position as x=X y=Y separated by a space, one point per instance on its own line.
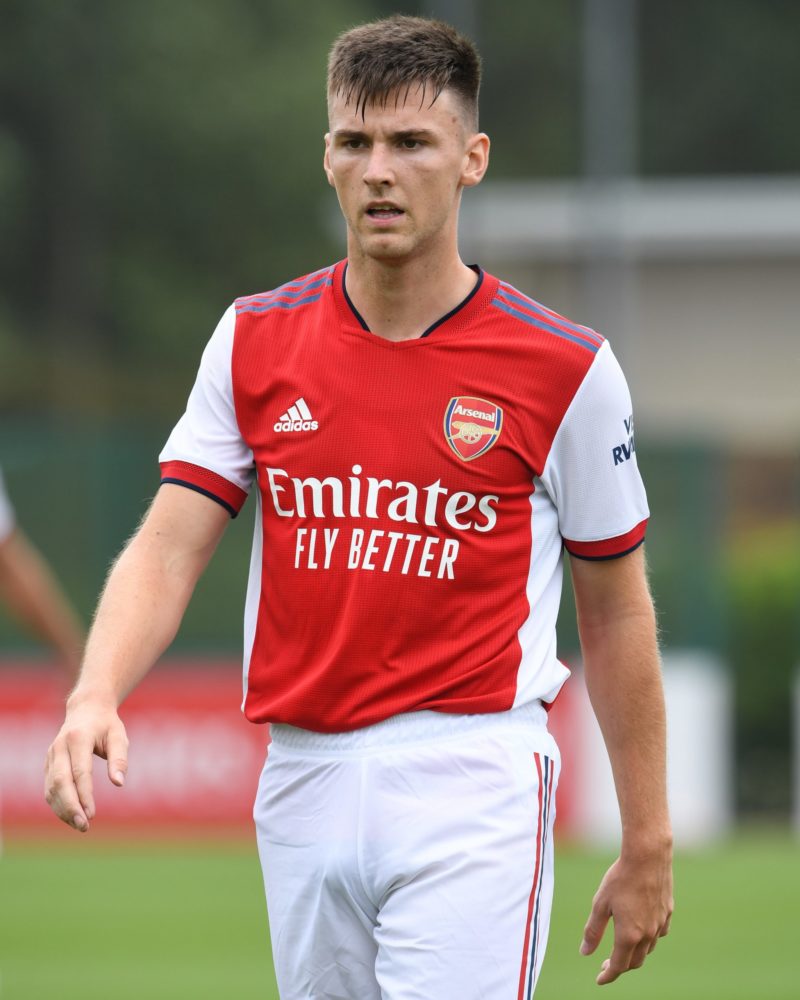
x=205 y=451
x=7 y=519
x=591 y=472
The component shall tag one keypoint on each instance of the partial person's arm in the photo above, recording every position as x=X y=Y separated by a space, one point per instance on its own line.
x=617 y=629
x=32 y=594
x=137 y=618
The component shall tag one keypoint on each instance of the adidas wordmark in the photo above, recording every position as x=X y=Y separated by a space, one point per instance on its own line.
x=297 y=418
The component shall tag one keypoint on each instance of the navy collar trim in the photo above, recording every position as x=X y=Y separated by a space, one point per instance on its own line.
x=349 y=301
x=464 y=302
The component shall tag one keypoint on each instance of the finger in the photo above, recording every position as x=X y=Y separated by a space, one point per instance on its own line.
x=641 y=951
x=80 y=749
x=595 y=929
x=117 y=755
x=609 y=972
x=619 y=962
x=662 y=932
x=60 y=792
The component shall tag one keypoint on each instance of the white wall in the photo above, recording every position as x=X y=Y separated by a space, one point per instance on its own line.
x=699 y=702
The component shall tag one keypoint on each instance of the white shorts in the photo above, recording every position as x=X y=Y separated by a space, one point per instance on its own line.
x=411 y=860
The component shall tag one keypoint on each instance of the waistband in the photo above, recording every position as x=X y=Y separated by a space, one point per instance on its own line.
x=410 y=727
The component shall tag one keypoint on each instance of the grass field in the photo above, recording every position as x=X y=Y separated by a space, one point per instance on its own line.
x=99 y=921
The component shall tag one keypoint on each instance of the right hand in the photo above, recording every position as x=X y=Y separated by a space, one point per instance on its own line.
x=90 y=727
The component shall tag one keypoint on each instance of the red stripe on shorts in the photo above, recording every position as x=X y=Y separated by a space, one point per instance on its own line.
x=547 y=800
x=535 y=886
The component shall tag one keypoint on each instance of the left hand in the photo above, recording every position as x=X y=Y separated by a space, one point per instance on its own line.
x=637 y=893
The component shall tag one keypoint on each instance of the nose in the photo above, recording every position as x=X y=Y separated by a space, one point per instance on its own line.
x=378 y=171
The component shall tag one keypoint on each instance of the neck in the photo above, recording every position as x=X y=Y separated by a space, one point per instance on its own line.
x=399 y=300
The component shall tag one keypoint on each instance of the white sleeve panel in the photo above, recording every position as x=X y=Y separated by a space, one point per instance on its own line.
x=208 y=434
x=591 y=471
x=7 y=520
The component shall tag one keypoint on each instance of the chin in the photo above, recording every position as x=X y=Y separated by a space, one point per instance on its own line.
x=386 y=249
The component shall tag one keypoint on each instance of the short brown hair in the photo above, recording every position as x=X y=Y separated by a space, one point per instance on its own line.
x=391 y=56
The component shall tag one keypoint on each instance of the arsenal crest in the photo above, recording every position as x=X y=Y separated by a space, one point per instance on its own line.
x=472 y=425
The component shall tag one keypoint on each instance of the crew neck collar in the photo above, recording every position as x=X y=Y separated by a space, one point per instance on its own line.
x=455 y=318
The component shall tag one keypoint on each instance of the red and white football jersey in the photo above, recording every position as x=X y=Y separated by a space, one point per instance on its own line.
x=413 y=496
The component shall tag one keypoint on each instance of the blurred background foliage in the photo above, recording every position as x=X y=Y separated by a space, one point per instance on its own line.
x=158 y=159
x=762 y=582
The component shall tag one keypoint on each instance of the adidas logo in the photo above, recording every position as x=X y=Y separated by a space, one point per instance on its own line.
x=297 y=418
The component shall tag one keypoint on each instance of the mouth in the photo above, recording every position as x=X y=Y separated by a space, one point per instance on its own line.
x=384 y=212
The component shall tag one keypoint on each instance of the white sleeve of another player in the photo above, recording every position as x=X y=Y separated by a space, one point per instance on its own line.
x=591 y=472
x=7 y=519
x=207 y=436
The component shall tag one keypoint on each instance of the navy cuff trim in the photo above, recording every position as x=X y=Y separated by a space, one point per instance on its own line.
x=206 y=493
x=615 y=555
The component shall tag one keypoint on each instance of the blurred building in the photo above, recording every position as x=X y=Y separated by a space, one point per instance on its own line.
x=695 y=281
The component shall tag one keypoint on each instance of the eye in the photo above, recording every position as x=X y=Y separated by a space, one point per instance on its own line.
x=410 y=143
x=353 y=143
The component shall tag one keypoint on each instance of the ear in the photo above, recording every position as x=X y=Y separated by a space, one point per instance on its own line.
x=326 y=160
x=476 y=159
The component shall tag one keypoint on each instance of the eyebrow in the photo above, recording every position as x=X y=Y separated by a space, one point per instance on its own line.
x=406 y=133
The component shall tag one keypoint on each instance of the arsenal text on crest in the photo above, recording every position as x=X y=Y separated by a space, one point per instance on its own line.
x=472 y=425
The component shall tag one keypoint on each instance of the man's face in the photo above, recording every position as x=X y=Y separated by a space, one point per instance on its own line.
x=399 y=171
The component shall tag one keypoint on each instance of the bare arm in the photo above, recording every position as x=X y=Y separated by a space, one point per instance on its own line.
x=138 y=615
x=33 y=595
x=617 y=628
